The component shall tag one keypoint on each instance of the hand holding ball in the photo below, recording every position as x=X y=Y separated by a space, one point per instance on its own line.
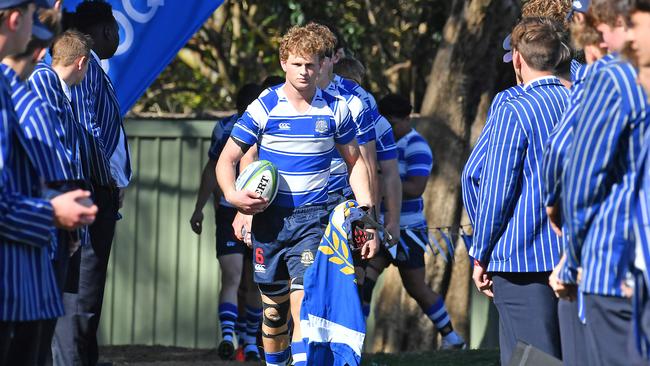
x=261 y=178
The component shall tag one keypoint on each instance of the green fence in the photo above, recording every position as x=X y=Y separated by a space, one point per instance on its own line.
x=163 y=280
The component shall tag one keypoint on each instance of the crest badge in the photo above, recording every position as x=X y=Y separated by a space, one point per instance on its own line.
x=307 y=257
x=321 y=126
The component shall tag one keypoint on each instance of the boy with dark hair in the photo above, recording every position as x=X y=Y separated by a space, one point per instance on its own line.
x=415 y=161
x=514 y=247
x=97 y=110
x=234 y=257
x=296 y=126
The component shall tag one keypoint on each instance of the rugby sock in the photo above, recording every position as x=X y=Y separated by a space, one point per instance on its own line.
x=299 y=353
x=277 y=358
x=240 y=329
x=227 y=318
x=253 y=318
x=438 y=315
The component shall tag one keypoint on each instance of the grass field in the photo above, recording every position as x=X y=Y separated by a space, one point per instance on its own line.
x=176 y=356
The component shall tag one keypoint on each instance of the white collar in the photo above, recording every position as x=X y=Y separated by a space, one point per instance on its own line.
x=539 y=79
x=66 y=90
x=95 y=57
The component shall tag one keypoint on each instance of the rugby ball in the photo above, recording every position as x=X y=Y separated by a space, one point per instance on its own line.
x=260 y=177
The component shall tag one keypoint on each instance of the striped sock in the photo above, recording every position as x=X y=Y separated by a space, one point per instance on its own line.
x=438 y=315
x=253 y=318
x=240 y=329
x=227 y=318
x=277 y=358
x=299 y=353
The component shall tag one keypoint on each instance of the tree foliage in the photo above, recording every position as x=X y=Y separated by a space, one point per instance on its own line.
x=395 y=39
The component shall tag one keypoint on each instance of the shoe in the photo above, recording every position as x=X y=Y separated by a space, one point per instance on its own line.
x=239 y=355
x=252 y=354
x=452 y=341
x=226 y=350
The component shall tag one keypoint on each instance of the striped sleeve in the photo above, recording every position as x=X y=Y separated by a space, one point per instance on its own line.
x=25 y=220
x=471 y=175
x=386 y=147
x=599 y=130
x=84 y=105
x=363 y=120
x=554 y=156
x=503 y=167
x=419 y=159
x=345 y=127
x=248 y=127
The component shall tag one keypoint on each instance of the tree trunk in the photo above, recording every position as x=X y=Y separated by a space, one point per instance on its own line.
x=466 y=73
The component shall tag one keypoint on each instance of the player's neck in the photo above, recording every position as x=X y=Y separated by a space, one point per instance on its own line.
x=299 y=99
x=528 y=74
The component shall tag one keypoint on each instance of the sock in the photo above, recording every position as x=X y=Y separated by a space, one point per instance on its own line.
x=366 y=310
x=251 y=348
x=438 y=315
x=299 y=353
x=227 y=318
x=277 y=358
x=253 y=319
x=240 y=329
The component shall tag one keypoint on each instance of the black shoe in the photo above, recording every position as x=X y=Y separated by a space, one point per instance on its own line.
x=253 y=356
x=226 y=350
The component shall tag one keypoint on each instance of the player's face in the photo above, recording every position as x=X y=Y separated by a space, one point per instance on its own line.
x=302 y=71
x=639 y=36
x=613 y=37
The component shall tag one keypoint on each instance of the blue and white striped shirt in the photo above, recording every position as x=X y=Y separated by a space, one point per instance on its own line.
x=299 y=144
x=602 y=172
x=513 y=233
x=386 y=147
x=45 y=82
x=471 y=176
x=415 y=159
x=220 y=134
x=97 y=110
x=28 y=290
x=364 y=119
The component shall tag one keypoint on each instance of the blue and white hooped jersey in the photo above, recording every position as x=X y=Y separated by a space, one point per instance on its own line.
x=415 y=159
x=386 y=147
x=364 y=119
x=299 y=144
x=220 y=134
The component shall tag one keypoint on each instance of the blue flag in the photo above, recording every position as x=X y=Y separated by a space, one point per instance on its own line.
x=331 y=319
x=151 y=34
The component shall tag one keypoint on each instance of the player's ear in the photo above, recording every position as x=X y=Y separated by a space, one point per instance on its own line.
x=516 y=59
x=283 y=63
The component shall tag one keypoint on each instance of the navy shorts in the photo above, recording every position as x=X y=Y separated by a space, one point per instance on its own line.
x=285 y=241
x=410 y=255
x=227 y=243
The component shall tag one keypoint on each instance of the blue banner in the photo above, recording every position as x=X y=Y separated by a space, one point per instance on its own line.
x=151 y=34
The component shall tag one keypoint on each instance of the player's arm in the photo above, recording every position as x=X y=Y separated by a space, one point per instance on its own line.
x=391 y=188
x=368 y=153
x=242 y=223
x=206 y=188
x=245 y=201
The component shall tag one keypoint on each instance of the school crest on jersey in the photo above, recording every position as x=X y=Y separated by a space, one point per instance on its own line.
x=321 y=126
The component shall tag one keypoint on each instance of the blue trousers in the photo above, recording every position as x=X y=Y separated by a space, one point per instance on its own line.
x=609 y=331
x=572 y=334
x=527 y=310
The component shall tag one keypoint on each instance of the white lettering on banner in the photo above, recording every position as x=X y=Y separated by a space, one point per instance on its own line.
x=142 y=17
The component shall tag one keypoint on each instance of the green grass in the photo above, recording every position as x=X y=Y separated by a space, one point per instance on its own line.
x=438 y=358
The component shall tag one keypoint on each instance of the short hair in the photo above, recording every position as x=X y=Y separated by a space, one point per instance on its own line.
x=585 y=34
x=554 y=9
x=247 y=95
x=608 y=11
x=69 y=46
x=395 y=105
x=272 y=80
x=303 y=42
x=89 y=14
x=640 y=5
x=329 y=39
x=542 y=42
x=350 y=68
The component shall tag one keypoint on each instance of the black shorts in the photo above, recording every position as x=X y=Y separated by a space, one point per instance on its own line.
x=227 y=243
x=410 y=254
